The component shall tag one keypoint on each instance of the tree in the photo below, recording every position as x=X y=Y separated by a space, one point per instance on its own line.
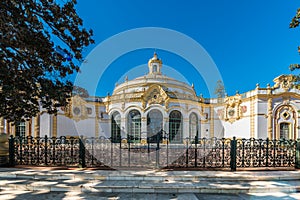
x=34 y=70
x=220 y=90
x=80 y=92
x=293 y=24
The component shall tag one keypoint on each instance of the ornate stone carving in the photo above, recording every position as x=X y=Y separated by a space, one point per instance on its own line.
x=233 y=110
x=76 y=109
x=285 y=82
x=155 y=95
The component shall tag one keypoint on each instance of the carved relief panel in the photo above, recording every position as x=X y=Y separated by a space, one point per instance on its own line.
x=155 y=95
x=233 y=110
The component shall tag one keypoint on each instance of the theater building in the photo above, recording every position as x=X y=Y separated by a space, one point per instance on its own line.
x=154 y=103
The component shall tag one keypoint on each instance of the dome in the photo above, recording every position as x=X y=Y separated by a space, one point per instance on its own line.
x=173 y=87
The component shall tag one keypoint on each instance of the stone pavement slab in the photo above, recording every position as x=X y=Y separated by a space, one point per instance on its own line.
x=46 y=195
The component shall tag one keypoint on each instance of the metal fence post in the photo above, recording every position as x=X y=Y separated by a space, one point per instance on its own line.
x=157 y=150
x=196 y=151
x=11 y=150
x=267 y=153
x=72 y=149
x=187 y=152
x=297 y=156
x=46 y=149
x=82 y=163
x=233 y=147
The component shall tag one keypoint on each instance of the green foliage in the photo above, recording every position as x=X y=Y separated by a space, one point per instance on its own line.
x=32 y=74
x=295 y=21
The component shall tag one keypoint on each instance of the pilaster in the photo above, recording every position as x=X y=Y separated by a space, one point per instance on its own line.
x=54 y=126
x=37 y=126
x=185 y=127
x=270 y=117
x=252 y=118
x=212 y=122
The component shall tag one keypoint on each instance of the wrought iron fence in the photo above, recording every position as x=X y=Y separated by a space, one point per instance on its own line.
x=192 y=153
x=266 y=153
x=44 y=151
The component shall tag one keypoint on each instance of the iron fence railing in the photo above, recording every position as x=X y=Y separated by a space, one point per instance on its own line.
x=192 y=153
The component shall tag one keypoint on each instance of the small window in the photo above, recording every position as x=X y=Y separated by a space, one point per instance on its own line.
x=284 y=130
x=20 y=129
x=154 y=68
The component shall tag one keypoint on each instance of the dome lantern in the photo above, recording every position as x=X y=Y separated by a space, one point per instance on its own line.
x=154 y=65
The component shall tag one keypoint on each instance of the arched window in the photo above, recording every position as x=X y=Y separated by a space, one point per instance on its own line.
x=175 y=126
x=134 y=126
x=193 y=125
x=116 y=127
x=285 y=121
x=20 y=129
x=154 y=68
x=284 y=130
x=154 y=124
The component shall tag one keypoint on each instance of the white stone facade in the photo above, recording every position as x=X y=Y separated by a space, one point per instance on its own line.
x=139 y=109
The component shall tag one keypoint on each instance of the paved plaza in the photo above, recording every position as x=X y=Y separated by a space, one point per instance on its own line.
x=52 y=183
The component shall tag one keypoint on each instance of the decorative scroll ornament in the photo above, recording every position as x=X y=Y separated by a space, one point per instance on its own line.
x=286 y=82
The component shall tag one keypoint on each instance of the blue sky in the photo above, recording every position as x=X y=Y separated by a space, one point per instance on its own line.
x=249 y=40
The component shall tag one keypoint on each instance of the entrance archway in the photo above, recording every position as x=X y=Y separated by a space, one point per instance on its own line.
x=154 y=125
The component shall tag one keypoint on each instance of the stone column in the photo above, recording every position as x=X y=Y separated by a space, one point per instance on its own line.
x=123 y=128
x=143 y=129
x=37 y=126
